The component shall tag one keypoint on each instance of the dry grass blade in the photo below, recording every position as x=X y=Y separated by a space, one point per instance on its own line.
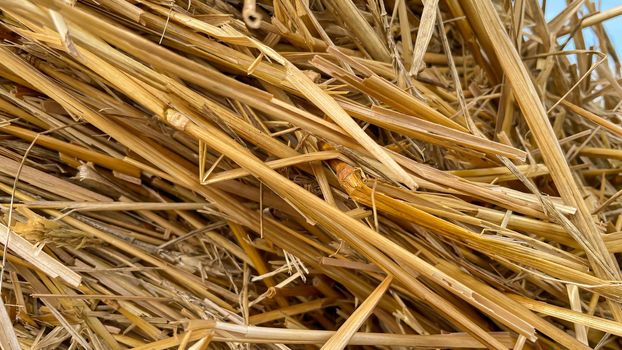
x=594 y=19
x=8 y=338
x=580 y=318
x=360 y=27
x=342 y=337
x=300 y=336
x=38 y=258
x=614 y=128
x=424 y=34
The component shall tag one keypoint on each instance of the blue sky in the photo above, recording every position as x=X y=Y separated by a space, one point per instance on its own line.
x=613 y=26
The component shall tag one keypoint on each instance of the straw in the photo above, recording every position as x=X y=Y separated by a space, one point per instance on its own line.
x=194 y=174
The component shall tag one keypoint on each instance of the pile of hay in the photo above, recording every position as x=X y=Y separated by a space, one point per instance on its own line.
x=306 y=174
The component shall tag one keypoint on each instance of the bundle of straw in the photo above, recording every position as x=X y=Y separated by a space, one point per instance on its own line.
x=294 y=174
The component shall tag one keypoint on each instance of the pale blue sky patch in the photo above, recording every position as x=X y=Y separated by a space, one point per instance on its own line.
x=613 y=26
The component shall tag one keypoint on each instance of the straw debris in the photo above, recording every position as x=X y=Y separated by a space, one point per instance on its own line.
x=193 y=174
